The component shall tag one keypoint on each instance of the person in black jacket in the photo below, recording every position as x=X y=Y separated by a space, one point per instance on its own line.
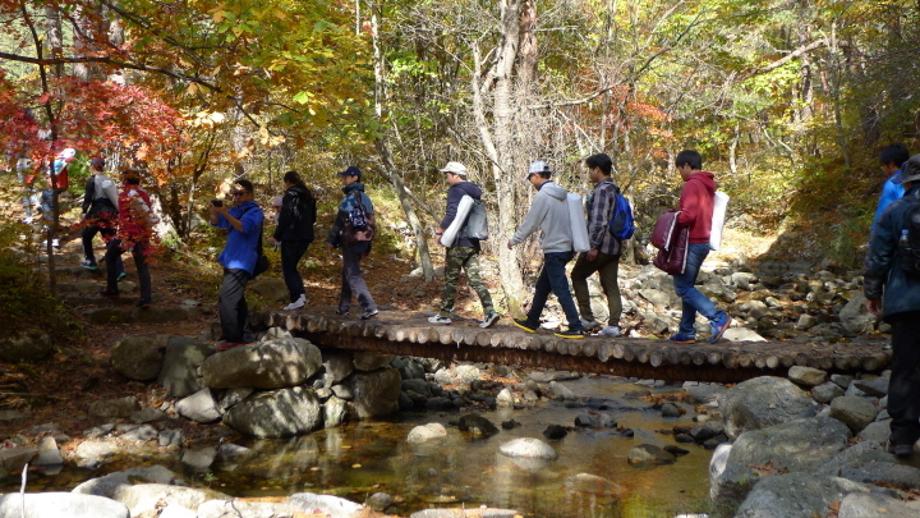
x=295 y=233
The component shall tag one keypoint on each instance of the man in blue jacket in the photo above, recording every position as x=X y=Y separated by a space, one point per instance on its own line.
x=891 y=157
x=243 y=224
x=894 y=293
x=463 y=254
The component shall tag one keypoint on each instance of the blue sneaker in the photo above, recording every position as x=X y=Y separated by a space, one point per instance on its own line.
x=682 y=339
x=719 y=326
x=121 y=276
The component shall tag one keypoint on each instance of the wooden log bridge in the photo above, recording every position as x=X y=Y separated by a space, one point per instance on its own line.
x=409 y=334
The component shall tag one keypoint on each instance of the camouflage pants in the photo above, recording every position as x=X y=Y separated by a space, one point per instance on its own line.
x=463 y=258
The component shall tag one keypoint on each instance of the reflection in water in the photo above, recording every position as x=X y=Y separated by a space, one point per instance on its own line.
x=591 y=477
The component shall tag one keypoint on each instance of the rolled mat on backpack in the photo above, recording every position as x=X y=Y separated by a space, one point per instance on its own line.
x=580 y=240
x=463 y=210
x=719 y=208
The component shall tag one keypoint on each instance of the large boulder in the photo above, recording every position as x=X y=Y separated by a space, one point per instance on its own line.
x=854 y=317
x=799 y=445
x=139 y=358
x=796 y=494
x=874 y=505
x=26 y=347
x=182 y=358
x=762 y=402
x=854 y=411
x=279 y=413
x=71 y=505
x=375 y=393
x=271 y=364
x=199 y=407
x=367 y=361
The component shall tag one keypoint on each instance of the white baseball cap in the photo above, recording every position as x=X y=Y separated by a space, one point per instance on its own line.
x=537 y=167
x=455 y=168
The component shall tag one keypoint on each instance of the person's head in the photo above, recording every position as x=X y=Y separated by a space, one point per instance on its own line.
x=131 y=176
x=538 y=173
x=688 y=162
x=97 y=164
x=911 y=169
x=350 y=175
x=892 y=157
x=242 y=191
x=292 y=178
x=599 y=167
x=454 y=173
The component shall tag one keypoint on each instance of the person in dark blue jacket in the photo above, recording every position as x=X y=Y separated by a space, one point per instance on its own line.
x=295 y=233
x=243 y=224
x=891 y=158
x=894 y=294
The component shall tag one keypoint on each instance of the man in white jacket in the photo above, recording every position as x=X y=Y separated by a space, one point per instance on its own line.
x=550 y=213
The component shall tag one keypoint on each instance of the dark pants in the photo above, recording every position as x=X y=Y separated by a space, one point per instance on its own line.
x=89 y=232
x=113 y=260
x=608 y=266
x=552 y=279
x=352 y=282
x=904 y=386
x=232 y=305
x=693 y=299
x=291 y=253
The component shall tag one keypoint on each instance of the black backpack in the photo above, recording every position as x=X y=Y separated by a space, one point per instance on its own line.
x=909 y=242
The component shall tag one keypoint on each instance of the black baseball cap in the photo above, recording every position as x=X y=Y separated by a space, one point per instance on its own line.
x=351 y=171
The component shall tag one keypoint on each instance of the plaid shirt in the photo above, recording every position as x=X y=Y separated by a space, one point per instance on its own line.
x=600 y=205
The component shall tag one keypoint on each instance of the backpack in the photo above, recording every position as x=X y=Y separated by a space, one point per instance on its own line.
x=477 y=222
x=909 y=243
x=622 y=225
x=95 y=204
x=357 y=216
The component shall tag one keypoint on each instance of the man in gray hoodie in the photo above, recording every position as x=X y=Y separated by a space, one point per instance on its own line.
x=549 y=213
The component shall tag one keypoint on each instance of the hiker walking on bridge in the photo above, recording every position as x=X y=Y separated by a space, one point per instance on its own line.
x=463 y=252
x=353 y=231
x=892 y=286
x=604 y=256
x=549 y=213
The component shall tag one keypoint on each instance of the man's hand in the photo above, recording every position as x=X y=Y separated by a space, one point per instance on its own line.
x=510 y=245
x=592 y=254
x=439 y=231
x=874 y=306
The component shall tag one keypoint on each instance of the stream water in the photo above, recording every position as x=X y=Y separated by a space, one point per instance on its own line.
x=360 y=459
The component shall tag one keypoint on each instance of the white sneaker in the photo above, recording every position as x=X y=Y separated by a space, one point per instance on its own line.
x=610 y=331
x=439 y=320
x=589 y=325
x=297 y=304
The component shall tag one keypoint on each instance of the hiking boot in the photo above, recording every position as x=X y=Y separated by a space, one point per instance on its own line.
x=369 y=314
x=342 y=312
x=570 y=334
x=901 y=450
x=523 y=325
x=297 y=304
x=490 y=320
x=610 y=331
x=590 y=325
x=719 y=326
x=90 y=266
x=439 y=320
x=682 y=339
x=121 y=276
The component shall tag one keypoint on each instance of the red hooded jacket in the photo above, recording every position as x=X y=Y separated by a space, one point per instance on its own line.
x=696 y=200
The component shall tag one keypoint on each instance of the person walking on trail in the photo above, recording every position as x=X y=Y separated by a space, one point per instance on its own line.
x=100 y=215
x=135 y=234
x=353 y=232
x=696 y=204
x=463 y=254
x=892 y=287
x=243 y=224
x=295 y=233
x=604 y=256
x=549 y=213
x=891 y=158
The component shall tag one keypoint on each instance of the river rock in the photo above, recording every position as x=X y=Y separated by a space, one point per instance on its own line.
x=114 y=408
x=528 y=448
x=854 y=317
x=807 y=376
x=826 y=392
x=199 y=407
x=648 y=455
x=93 y=452
x=855 y=412
x=874 y=505
x=427 y=432
x=232 y=397
x=762 y=402
x=13 y=459
x=148 y=498
x=742 y=334
x=877 y=387
x=480 y=512
x=337 y=366
x=478 y=426
x=335 y=411
x=504 y=399
x=595 y=485
x=326 y=504
x=796 y=494
x=147 y=415
x=367 y=361
x=855 y=457
x=181 y=361
x=379 y=501
x=277 y=413
x=799 y=445
x=170 y=438
x=109 y=484
x=806 y=322
x=61 y=504
x=237 y=508
x=26 y=346
x=48 y=453
x=269 y=364
x=375 y=393
x=883 y=474
x=139 y=358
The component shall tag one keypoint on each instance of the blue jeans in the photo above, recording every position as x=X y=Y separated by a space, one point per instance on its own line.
x=693 y=300
x=552 y=279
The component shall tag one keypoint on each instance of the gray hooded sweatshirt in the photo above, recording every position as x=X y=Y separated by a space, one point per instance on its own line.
x=549 y=213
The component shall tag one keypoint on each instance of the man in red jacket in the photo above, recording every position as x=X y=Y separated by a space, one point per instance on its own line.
x=696 y=201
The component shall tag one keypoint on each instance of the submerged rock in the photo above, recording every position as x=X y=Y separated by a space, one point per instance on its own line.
x=427 y=432
x=528 y=448
x=649 y=455
x=478 y=426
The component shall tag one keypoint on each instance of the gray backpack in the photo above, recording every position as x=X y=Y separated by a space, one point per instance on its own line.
x=477 y=222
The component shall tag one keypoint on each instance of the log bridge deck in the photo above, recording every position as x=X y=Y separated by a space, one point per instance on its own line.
x=409 y=334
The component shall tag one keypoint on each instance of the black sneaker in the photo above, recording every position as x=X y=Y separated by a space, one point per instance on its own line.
x=571 y=334
x=342 y=312
x=367 y=315
x=901 y=450
x=523 y=325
